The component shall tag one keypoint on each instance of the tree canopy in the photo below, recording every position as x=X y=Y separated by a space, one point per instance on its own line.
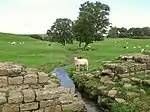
x=92 y=22
x=61 y=31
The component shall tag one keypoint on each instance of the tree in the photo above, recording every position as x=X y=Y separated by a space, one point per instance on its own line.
x=92 y=22
x=113 y=32
x=61 y=31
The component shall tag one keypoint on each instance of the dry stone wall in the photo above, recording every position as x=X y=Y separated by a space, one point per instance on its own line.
x=28 y=90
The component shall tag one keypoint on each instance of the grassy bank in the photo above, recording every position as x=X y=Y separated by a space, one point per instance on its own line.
x=36 y=53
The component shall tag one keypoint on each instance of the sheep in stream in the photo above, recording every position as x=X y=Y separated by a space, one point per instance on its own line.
x=80 y=62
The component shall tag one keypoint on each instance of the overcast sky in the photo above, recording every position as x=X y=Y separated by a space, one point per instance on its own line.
x=36 y=16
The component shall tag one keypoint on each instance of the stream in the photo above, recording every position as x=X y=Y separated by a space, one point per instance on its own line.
x=67 y=82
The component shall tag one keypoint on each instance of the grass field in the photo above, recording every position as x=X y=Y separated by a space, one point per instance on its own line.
x=35 y=53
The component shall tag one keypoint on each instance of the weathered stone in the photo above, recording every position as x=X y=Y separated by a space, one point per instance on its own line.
x=3 y=81
x=109 y=83
x=15 y=80
x=104 y=78
x=11 y=108
x=43 y=78
x=125 y=80
x=102 y=88
x=31 y=70
x=123 y=75
x=14 y=72
x=50 y=109
x=15 y=97
x=29 y=95
x=66 y=98
x=127 y=86
x=58 y=108
x=46 y=103
x=76 y=106
x=4 y=89
x=146 y=82
x=120 y=100
x=46 y=95
x=136 y=79
x=112 y=93
x=40 y=110
x=3 y=98
x=3 y=72
x=29 y=106
x=36 y=86
x=132 y=94
x=30 y=79
x=143 y=91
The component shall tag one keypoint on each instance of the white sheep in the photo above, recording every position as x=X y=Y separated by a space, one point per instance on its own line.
x=142 y=50
x=134 y=47
x=80 y=62
x=13 y=43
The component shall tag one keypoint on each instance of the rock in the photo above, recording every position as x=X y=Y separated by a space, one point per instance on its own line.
x=15 y=97
x=107 y=72
x=146 y=82
x=104 y=78
x=43 y=78
x=29 y=95
x=125 y=80
x=112 y=93
x=46 y=103
x=76 y=107
x=109 y=83
x=46 y=94
x=3 y=71
x=11 y=108
x=30 y=79
x=127 y=86
x=136 y=79
x=132 y=94
x=29 y=106
x=143 y=91
x=15 y=80
x=120 y=100
x=3 y=81
x=123 y=75
x=2 y=98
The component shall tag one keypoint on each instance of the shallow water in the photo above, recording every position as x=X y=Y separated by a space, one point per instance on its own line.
x=67 y=82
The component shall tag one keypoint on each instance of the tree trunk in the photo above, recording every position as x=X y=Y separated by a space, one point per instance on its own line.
x=86 y=44
x=80 y=44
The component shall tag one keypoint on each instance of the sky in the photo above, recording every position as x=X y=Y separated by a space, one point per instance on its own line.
x=36 y=16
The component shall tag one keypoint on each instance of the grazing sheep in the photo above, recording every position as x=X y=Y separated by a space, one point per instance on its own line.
x=142 y=50
x=13 y=43
x=139 y=46
x=80 y=62
x=134 y=47
x=147 y=45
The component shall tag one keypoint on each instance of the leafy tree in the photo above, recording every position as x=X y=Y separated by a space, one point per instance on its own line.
x=92 y=22
x=113 y=32
x=61 y=31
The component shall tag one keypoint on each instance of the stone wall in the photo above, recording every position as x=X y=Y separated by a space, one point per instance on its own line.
x=124 y=82
x=28 y=90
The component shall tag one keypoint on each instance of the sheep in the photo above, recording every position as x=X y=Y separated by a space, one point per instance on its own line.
x=80 y=62
x=134 y=47
x=142 y=50
x=147 y=45
x=139 y=46
x=13 y=43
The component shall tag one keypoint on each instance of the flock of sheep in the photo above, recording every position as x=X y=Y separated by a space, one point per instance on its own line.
x=142 y=49
x=14 y=43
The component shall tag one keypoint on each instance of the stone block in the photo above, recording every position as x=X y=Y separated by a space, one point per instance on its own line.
x=15 y=97
x=30 y=79
x=46 y=95
x=40 y=110
x=15 y=80
x=46 y=103
x=2 y=98
x=43 y=78
x=29 y=106
x=29 y=95
x=3 y=81
x=10 y=108
x=3 y=72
